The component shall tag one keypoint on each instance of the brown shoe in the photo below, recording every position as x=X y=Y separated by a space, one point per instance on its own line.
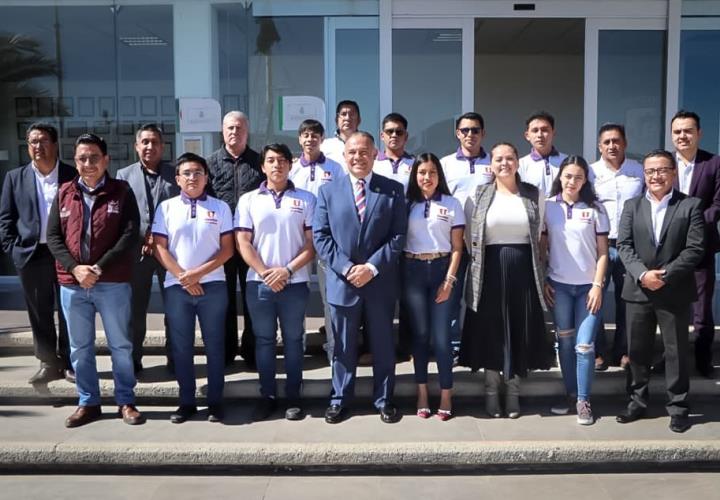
x=130 y=415
x=83 y=415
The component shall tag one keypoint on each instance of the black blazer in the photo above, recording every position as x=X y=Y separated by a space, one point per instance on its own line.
x=679 y=251
x=19 y=211
x=705 y=184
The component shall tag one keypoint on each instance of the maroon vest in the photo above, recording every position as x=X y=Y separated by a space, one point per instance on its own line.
x=106 y=224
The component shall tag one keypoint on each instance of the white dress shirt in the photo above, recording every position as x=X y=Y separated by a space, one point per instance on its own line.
x=46 y=187
x=685 y=173
x=615 y=187
x=657 y=212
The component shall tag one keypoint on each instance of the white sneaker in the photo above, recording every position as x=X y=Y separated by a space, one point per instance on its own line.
x=584 y=413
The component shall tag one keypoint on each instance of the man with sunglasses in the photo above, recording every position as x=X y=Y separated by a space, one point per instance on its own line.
x=661 y=241
x=465 y=170
x=393 y=161
x=27 y=194
x=541 y=165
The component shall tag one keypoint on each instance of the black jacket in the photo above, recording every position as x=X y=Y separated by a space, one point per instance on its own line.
x=231 y=178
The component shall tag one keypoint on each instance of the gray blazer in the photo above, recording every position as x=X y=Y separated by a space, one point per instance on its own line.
x=166 y=188
x=475 y=214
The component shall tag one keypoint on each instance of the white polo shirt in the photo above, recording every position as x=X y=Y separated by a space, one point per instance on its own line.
x=464 y=175
x=614 y=188
x=541 y=171
x=193 y=227
x=278 y=222
x=396 y=170
x=430 y=224
x=572 y=240
x=333 y=148
x=311 y=175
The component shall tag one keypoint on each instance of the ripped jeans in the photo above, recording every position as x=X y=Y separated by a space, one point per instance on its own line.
x=575 y=329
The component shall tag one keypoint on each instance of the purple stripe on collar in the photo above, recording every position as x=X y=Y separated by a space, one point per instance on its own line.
x=395 y=164
x=186 y=199
x=306 y=163
x=568 y=207
x=277 y=197
x=461 y=156
x=436 y=196
x=537 y=156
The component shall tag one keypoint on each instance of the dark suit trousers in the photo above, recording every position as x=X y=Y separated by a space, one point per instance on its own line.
x=378 y=319
x=642 y=320
x=141 y=283
x=703 y=321
x=42 y=294
x=236 y=269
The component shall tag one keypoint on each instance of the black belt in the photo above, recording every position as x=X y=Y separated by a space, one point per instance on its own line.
x=612 y=242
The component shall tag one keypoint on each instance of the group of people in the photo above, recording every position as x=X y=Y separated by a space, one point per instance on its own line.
x=472 y=249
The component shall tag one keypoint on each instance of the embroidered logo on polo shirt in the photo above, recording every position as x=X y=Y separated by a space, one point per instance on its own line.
x=442 y=214
x=210 y=217
x=327 y=176
x=586 y=216
x=64 y=213
x=113 y=207
x=296 y=206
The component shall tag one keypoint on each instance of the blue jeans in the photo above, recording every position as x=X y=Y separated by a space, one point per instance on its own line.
x=455 y=301
x=575 y=328
x=616 y=273
x=266 y=308
x=429 y=322
x=181 y=309
x=112 y=301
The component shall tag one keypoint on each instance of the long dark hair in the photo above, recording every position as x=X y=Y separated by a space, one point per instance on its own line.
x=414 y=194
x=587 y=193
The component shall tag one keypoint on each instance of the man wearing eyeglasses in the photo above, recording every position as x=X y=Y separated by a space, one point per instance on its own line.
x=152 y=181
x=347 y=119
x=542 y=164
x=699 y=176
x=465 y=170
x=92 y=231
x=660 y=241
x=27 y=196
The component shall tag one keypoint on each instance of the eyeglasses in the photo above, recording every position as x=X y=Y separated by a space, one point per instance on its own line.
x=189 y=174
x=661 y=172
x=92 y=159
x=38 y=142
x=470 y=130
x=394 y=131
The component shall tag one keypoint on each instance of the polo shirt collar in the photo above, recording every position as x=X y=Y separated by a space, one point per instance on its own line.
x=461 y=156
x=537 y=156
x=404 y=156
x=308 y=163
x=277 y=197
x=186 y=199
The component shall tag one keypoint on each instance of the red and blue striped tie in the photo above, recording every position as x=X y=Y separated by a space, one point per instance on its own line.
x=360 y=198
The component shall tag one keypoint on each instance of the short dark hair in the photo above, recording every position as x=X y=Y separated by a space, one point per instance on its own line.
x=683 y=113
x=364 y=134
x=149 y=127
x=541 y=115
x=347 y=103
x=190 y=158
x=414 y=194
x=472 y=115
x=395 y=117
x=278 y=148
x=607 y=127
x=92 y=139
x=312 y=126
x=661 y=153
x=43 y=127
x=587 y=193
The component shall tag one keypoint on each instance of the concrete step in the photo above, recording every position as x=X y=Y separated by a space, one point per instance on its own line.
x=33 y=439
x=157 y=386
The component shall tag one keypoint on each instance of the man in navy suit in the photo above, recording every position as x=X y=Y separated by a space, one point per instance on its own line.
x=27 y=195
x=359 y=231
x=152 y=181
x=699 y=176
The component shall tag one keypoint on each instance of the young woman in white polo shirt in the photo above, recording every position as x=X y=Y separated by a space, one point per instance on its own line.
x=575 y=235
x=433 y=248
x=274 y=236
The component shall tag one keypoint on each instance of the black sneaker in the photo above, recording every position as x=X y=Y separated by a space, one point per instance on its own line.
x=183 y=413
x=263 y=409
x=216 y=413
x=294 y=411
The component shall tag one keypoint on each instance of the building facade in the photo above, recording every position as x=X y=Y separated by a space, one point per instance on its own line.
x=108 y=66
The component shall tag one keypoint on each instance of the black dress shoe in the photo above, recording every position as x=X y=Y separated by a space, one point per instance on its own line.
x=294 y=410
x=335 y=414
x=263 y=409
x=629 y=416
x=183 y=413
x=679 y=423
x=138 y=367
x=658 y=367
x=46 y=374
x=389 y=413
x=216 y=413
x=705 y=369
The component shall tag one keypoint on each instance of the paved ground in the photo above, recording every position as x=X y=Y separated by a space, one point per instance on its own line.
x=536 y=487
